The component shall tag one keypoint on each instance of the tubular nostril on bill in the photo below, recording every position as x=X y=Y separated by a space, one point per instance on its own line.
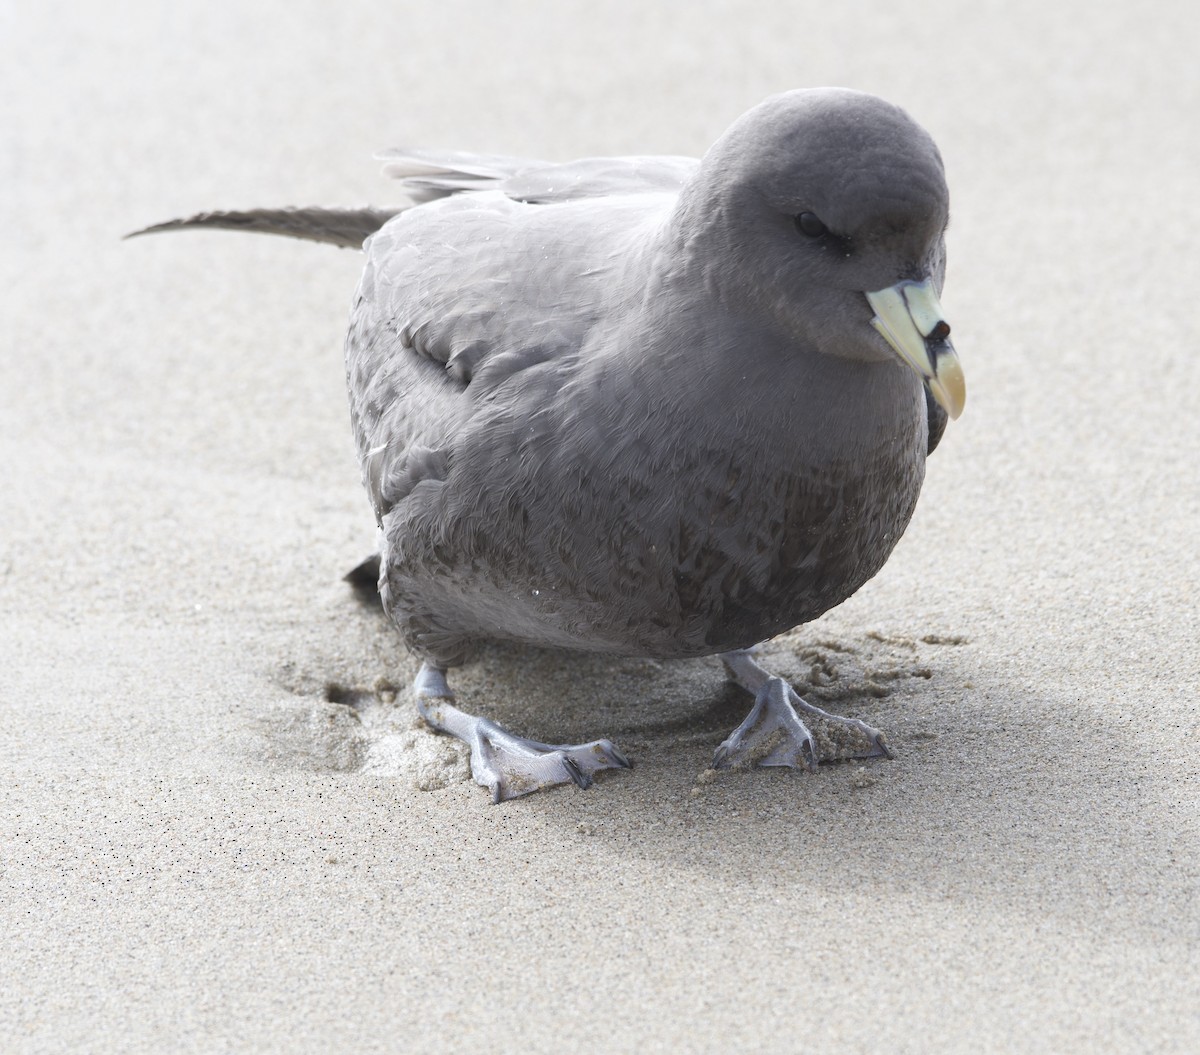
x=941 y=331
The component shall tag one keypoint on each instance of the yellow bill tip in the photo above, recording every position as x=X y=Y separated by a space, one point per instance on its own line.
x=948 y=385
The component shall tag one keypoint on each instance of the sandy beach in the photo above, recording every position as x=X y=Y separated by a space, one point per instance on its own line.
x=221 y=825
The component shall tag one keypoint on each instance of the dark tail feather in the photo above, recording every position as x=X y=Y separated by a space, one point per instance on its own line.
x=344 y=227
x=364 y=578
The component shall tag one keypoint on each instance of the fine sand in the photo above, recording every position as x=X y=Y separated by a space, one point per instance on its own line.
x=221 y=828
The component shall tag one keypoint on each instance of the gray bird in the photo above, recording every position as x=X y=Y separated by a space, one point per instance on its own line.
x=646 y=406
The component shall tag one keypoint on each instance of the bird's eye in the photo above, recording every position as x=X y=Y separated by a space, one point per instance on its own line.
x=810 y=226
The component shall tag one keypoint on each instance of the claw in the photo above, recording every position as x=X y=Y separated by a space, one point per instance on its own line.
x=578 y=775
x=609 y=749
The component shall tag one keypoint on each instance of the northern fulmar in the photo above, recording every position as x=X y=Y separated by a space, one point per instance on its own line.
x=645 y=406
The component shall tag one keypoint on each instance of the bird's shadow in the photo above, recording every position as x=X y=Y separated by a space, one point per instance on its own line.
x=991 y=802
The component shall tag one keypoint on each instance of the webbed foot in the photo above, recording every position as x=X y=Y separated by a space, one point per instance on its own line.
x=777 y=714
x=506 y=764
x=771 y=735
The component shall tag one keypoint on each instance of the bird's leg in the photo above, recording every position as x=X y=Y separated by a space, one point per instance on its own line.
x=774 y=734
x=507 y=765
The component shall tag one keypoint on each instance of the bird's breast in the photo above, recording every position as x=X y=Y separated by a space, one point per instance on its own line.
x=795 y=545
x=653 y=528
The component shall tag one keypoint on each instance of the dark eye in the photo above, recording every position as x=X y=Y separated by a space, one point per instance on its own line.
x=809 y=226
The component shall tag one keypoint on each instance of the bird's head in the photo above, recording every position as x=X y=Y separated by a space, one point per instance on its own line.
x=826 y=210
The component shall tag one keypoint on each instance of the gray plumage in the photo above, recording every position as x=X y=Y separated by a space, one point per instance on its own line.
x=648 y=421
x=646 y=406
